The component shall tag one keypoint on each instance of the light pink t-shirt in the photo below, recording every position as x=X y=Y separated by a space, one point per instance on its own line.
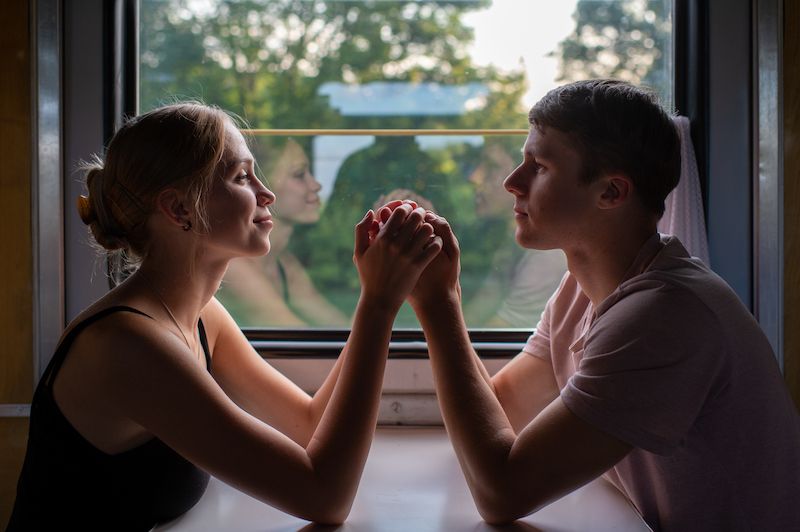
x=675 y=365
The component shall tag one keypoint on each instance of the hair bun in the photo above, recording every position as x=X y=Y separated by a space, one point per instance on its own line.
x=85 y=210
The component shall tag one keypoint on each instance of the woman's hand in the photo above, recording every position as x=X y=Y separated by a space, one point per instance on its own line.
x=391 y=256
x=441 y=278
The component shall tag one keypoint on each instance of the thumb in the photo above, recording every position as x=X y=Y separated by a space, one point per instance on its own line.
x=362 y=233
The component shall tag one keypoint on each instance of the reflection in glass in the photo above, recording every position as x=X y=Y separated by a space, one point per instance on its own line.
x=316 y=67
x=276 y=289
x=517 y=282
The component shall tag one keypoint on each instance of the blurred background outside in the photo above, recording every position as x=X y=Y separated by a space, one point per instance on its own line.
x=354 y=102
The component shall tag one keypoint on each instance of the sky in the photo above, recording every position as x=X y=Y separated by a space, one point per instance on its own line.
x=510 y=34
x=522 y=32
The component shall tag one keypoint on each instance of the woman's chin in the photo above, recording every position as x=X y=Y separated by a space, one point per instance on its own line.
x=262 y=249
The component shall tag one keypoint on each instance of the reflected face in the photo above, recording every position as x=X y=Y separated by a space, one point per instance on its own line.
x=296 y=187
x=553 y=207
x=238 y=203
x=491 y=198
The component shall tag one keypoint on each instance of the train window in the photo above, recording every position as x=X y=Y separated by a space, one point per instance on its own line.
x=353 y=102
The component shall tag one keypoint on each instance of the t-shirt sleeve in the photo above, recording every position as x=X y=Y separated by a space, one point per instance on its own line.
x=647 y=367
x=538 y=343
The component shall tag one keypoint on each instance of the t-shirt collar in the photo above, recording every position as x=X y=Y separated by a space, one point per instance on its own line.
x=647 y=253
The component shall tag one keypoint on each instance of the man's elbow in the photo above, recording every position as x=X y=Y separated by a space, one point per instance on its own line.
x=502 y=508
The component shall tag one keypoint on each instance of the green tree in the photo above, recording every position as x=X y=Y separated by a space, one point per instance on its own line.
x=266 y=60
x=623 y=39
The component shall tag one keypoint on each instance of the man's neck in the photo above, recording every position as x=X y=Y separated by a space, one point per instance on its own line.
x=601 y=266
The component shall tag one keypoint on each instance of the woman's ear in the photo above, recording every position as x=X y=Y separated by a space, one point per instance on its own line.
x=615 y=191
x=170 y=203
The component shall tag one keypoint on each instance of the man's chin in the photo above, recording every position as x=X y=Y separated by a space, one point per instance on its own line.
x=528 y=241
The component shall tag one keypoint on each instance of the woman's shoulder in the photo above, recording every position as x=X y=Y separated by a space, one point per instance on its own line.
x=104 y=313
x=109 y=329
x=216 y=321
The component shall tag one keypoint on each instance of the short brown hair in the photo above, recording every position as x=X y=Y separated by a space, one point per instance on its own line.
x=616 y=127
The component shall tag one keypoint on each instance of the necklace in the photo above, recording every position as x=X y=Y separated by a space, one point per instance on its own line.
x=171 y=315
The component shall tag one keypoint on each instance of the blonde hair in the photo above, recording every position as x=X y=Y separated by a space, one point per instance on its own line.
x=179 y=146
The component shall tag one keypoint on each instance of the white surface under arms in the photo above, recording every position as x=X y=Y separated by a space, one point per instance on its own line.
x=412 y=483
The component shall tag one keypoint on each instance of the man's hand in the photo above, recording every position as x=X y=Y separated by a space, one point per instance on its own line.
x=440 y=280
x=390 y=256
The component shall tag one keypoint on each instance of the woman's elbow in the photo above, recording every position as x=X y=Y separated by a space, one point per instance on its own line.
x=497 y=516
x=330 y=509
x=327 y=515
x=333 y=518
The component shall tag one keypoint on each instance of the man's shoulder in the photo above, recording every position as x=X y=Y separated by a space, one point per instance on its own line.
x=664 y=301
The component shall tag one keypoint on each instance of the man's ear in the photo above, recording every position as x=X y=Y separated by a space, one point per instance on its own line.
x=615 y=191
x=170 y=203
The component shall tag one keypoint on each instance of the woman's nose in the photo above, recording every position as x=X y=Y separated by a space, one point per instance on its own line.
x=313 y=184
x=265 y=196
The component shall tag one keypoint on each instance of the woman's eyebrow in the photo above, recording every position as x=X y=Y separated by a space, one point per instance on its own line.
x=238 y=162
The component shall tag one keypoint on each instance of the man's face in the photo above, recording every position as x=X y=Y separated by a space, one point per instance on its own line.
x=551 y=203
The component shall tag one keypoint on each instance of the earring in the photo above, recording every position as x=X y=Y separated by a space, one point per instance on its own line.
x=187 y=226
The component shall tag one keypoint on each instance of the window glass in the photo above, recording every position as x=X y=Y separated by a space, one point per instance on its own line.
x=353 y=102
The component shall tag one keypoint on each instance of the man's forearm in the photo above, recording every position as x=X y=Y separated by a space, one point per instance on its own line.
x=478 y=427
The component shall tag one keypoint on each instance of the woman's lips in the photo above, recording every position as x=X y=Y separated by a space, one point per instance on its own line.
x=265 y=221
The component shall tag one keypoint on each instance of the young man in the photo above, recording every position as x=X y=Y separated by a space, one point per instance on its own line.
x=645 y=366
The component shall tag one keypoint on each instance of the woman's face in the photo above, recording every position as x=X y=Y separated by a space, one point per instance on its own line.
x=238 y=205
x=296 y=188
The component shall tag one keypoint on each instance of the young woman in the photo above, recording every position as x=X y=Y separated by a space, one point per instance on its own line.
x=275 y=289
x=154 y=387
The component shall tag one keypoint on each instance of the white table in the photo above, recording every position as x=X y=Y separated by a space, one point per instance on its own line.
x=411 y=483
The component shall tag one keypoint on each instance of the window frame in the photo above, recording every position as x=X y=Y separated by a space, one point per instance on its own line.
x=99 y=87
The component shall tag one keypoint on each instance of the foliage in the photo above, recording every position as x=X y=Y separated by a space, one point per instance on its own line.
x=624 y=39
x=266 y=60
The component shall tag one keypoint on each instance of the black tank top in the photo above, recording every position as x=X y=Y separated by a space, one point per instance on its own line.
x=68 y=484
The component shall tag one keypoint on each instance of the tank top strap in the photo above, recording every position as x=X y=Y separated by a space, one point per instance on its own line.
x=204 y=343
x=66 y=342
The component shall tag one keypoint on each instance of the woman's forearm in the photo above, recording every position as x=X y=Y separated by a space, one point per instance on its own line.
x=340 y=444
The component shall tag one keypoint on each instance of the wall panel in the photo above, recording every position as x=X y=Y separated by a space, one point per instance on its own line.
x=16 y=290
x=791 y=197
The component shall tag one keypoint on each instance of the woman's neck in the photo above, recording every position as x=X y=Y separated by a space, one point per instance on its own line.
x=184 y=287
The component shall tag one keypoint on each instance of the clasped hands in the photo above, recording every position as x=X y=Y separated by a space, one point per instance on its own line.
x=403 y=251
